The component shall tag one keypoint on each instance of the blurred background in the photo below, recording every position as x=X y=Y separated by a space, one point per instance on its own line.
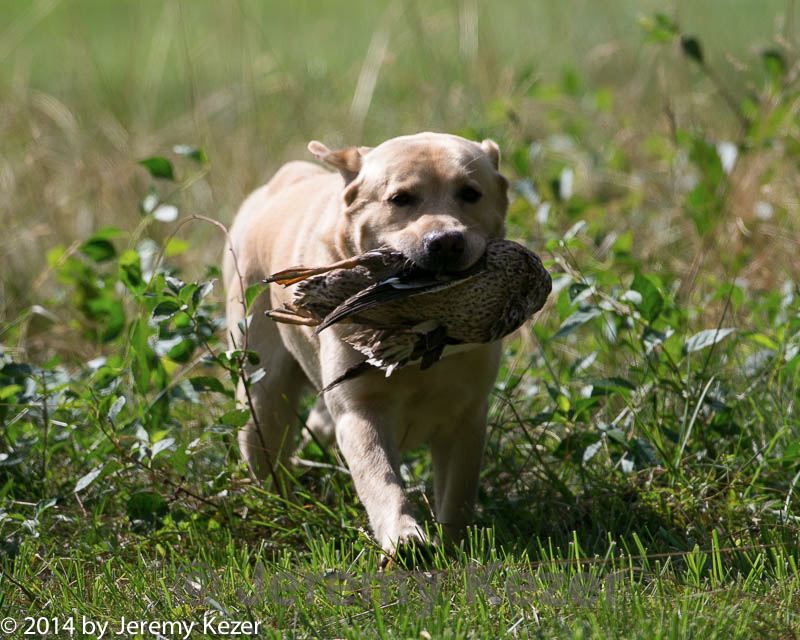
x=652 y=150
x=600 y=90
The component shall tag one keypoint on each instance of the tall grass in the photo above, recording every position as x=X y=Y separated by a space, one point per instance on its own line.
x=642 y=467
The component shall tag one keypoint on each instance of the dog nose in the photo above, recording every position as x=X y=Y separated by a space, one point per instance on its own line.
x=443 y=248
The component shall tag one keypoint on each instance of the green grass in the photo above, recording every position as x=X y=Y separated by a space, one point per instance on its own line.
x=333 y=589
x=641 y=472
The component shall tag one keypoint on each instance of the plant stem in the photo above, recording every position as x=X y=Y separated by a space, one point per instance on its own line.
x=46 y=435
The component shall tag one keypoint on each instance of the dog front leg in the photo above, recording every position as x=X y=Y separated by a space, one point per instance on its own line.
x=457 y=461
x=374 y=461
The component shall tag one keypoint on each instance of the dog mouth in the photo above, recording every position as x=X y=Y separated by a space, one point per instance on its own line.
x=416 y=267
x=445 y=254
x=453 y=266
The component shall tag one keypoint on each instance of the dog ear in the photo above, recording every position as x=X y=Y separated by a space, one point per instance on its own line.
x=491 y=149
x=347 y=161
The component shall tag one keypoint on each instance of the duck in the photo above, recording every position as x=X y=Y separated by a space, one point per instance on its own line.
x=400 y=313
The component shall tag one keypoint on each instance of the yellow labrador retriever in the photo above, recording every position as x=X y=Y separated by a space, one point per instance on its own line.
x=435 y=197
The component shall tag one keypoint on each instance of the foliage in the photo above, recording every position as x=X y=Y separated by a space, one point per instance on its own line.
x=644 y=444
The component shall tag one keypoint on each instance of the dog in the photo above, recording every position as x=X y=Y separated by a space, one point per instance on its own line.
x=437 y=198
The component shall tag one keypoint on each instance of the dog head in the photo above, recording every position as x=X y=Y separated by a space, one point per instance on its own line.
x=436 y=198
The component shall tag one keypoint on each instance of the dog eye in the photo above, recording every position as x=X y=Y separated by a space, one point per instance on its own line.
x=469 y=194
x=403 y=199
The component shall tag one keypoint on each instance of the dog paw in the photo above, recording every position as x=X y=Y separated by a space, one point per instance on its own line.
x=403 y=531
x=407 y=544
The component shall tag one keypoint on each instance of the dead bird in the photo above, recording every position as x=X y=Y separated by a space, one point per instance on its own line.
x=404 y=313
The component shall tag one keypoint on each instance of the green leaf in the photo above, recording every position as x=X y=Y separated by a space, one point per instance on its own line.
x=575 y=289
x=701 y=205
x=235 y=417
x=182 y=351
x=652 y=338
x=608 y=386
x=706 y=338
x=775 y=64
x=704 y=203
x=159 y=167
x=256 y=376
x=140 y=367
x=615 y=434
x=764 y=340
x=9 y=391
x=98 y=249
x=659 y=27
x=706 y=158
x=130 y=272
x=186 y=294
x=692 y=49
x=623 y=243
x=203 y=289
x=652 y=301
x=113 y=412
x=253 y=291
x=590 y=451
x=175 y=247
x=166 y=309
x=175 y=284
x=161 y=445
x=108 y=233
x=85 y=480
x=792 y=453
x=577 y=319
x=194 y=153
x=109 y=313
x=43 y=505
x=207 y=383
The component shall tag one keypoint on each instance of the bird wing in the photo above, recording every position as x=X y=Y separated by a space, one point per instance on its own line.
x=389 y=290
x=390 y=350
x=382 y=258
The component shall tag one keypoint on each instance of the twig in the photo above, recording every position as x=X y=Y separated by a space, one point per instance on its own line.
x=80 y=504
x=46 y=425
x=242 y=358
x=246 y=385
x=153 y=472
x=178 y=227
x=241 y=361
